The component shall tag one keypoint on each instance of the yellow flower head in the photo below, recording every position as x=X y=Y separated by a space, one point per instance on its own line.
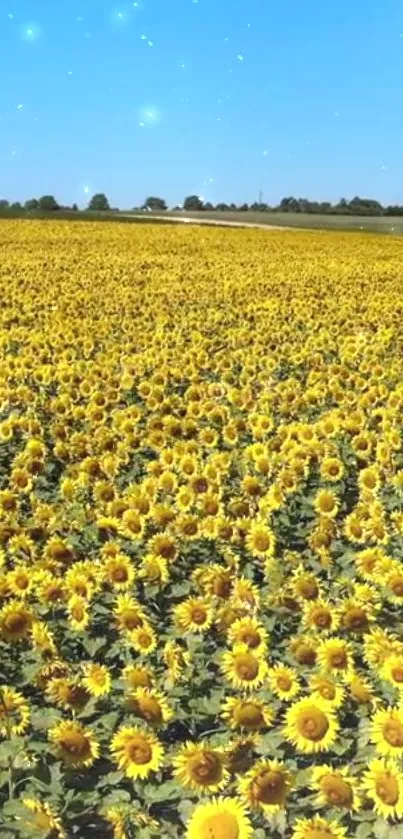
x=136 y=752
x=220 y=818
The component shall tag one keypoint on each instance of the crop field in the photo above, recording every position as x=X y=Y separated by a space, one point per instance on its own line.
x=375 y=224
x=201 y=533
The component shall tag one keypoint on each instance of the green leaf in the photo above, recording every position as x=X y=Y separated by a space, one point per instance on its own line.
x=381 y=829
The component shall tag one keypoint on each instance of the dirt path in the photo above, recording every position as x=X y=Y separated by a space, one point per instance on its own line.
x=208 y=221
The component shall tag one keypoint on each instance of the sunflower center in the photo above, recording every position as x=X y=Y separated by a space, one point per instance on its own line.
x=305 y=654
x=246 y=667
x=322 y=618
x=205 y=769
x=338 y=659
x=139 y=751
x=284 y=682
x=327 y=690
x=199 y=615
x=397 y=673
x=250 y=716
x=250 y=637
x=119 y=575
x=131 y=620
x=313 y=724
x=150 y=709
x=337 y=791
x=262 y=541
x=356 y=618
x=220 y=826
x=16 y=623
x=222 y=588
x=397 y=587
x=308 y=589
x=269 y=787
x=75 y=744
x=387 y=788
x=393 y=733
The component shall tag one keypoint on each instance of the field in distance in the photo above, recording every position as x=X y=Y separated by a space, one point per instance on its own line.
x=378 y=224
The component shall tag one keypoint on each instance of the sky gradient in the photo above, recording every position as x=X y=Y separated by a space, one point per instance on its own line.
x=213 y=97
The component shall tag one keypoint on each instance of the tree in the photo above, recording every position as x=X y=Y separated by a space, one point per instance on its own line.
x=99 y=202
x=208 y=206
x=48 y=203
x=75 y=208
x=193 y=202
x=4 y=203
x=16 y=206
x=31 y=204
x=155 y=204
x=243 y=208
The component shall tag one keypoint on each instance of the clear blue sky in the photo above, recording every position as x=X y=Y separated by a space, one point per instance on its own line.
x=216 y=97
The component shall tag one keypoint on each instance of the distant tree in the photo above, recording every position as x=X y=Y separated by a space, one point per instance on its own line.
x=208 y=206
x=17 y=206
x=48 y=203
x=4 y=203
x=223 y=208
x=193 y=202
x=31 y=204
x=394 y=210
x=365 y=207
x=289 y=205
x=243 y=208
x=154 y=203
x=75 y=208
x=99 y=202
x=341 y=209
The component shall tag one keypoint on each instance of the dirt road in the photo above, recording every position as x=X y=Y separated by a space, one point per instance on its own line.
x=208 y=221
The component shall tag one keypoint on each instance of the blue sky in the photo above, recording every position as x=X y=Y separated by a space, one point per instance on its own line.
x=216 y=97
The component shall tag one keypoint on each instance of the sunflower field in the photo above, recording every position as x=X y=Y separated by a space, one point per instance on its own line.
x=201 y=533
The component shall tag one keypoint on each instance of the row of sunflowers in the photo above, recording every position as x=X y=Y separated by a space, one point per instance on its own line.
x=201 y=533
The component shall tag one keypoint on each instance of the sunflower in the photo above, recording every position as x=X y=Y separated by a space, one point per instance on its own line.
x=201 y=767
x=193 y=615
x=243 y=668
x=304 y=585
x=260 y=540
x=322 y=685
x=387 y=732
x=318 y=828
x=149 y=705
x=67 y=693
x=360 y=689
x=311 y=725
x=14 y=712
x=335 y=655
x=97 y=679
x=20 y=580
x=326 y=504
x=266 y=786
x=249 y=713
x=383 y=785
x=119 y=572
x=320 y=615
x=136 y=675
x=154 y=570
x=136 y=752
x=304 y=649
x=143 y=639
x=332 y=469
x=392 y=670
x=248 y=631
x=42 y=818
x=75 y=745
x=128 y=613
x=15 y=621
x=77 y=609
x=284 y=682
x=220 y=818
x=335 y=787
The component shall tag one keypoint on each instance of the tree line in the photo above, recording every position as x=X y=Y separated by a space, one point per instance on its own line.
x=100 y=203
